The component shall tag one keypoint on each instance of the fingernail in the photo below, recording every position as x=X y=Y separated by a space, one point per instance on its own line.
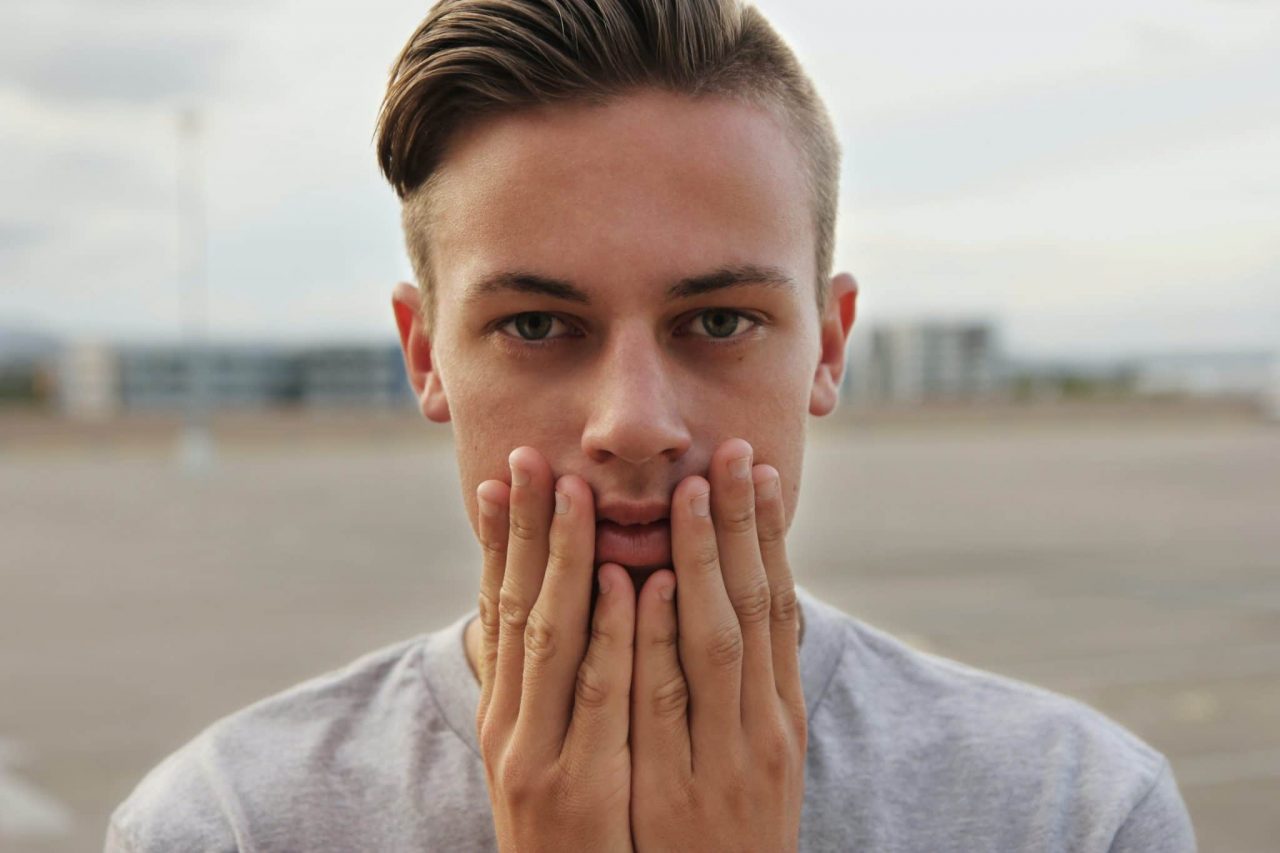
x=701 y=504
x=562 y=502
x=667 y=593
x=519 y=476
x=768 y=489
x=487 y=507
x=741 y=468
x=604 y=582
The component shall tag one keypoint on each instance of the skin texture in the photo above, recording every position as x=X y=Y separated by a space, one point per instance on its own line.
x=634 y=722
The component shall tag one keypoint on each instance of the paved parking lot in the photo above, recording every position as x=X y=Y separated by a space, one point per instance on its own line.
x=1132 y=561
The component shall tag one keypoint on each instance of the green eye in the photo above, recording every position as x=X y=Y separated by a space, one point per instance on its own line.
x=719 y=323
x=533 y=325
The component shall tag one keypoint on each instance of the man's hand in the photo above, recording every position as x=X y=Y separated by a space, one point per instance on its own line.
x=554 y=702
x=718 y=723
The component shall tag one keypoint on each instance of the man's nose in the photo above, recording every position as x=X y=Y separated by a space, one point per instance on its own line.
x=634 y=413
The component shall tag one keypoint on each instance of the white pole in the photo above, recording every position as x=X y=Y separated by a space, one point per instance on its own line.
x=196 y=448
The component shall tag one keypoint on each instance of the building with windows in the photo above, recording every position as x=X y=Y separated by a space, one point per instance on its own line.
x=98 y=379
x=925 y=361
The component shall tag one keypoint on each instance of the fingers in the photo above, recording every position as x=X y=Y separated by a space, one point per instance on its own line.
x=733 y=509
x=602 y=694
x=529 y=516
x=556 y=634
x=710 y=641
x=659 y=692
x=784 y=610
x=491 y=498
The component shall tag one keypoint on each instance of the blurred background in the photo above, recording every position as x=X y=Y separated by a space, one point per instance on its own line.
x=1058 y=456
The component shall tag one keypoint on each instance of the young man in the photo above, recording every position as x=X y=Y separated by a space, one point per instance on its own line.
x=621 y=215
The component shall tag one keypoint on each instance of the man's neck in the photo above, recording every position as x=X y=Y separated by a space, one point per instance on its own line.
x=472 y=641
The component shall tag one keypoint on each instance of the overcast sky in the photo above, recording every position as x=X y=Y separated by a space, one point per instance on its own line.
x=1097 y=177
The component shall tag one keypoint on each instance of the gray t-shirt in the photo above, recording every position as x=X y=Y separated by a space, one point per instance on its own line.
x=907 y=752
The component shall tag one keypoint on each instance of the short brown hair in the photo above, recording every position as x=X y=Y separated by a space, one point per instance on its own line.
x=474 y=58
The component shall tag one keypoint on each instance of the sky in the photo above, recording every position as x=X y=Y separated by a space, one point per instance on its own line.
x=1097 y=178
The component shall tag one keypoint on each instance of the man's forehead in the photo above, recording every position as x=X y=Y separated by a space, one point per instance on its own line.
x=599 y=191
x=639 y=124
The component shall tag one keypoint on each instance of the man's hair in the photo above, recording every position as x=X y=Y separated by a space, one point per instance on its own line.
x=474 y=58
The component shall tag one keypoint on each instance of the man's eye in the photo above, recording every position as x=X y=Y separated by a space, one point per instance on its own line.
x=534 y=325
x=721 y=323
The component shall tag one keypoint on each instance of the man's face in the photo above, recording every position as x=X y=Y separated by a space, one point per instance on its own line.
x=623 y=288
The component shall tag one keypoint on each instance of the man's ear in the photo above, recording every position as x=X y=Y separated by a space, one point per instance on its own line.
x=406 y=302
x=836 y=323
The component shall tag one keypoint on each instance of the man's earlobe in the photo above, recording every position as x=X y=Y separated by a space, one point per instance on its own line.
x=836 y=324
x=415 y=346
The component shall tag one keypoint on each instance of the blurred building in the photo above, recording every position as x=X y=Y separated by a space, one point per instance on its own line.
x=97 y=380
x=923 y=361
x=26 y=363
x=88 y=380
x=165 y=377
x=352 y=376
x=1245 y=374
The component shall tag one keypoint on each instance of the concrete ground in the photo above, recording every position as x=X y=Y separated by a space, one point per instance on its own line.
x=1130 y=558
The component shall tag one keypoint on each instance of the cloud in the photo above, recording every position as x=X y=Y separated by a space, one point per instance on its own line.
x=20 y=235
x=128 y=69
x=1093 y=173
x=116 y=52
x=986 y=144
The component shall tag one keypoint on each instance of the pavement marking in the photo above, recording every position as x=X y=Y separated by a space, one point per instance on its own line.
x=25 y=810
x=1222 y=768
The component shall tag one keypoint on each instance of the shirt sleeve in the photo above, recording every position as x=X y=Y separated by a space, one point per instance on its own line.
x=1159 y=822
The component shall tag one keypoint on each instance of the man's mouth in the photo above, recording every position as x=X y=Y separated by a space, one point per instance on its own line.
x=635 y=546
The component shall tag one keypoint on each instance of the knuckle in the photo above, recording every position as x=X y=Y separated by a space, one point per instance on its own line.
x=490 y=738
x=601 y=639
x=784 y=605
x=517 y=781
x=771 y=534
x=734 y=797
x=706 y=557
x=798 y=717
x=592 y=689
x=724 y=646
x=739 y=519
x=670 y=698
x=488 y=607
x=539 y=637
x=523 y=528
x=559 y=554
x=682 y=796
x=495 y=550
x=566 y=791
x=488 y=663
x=512 y=612
x=664 y=640
x=774 y=755
x=753 y=604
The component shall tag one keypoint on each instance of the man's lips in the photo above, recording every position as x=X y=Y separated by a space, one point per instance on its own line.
x=635 y=546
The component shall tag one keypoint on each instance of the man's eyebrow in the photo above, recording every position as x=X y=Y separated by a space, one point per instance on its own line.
x=740 y=275
x=523 y=282
x=732 y=276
